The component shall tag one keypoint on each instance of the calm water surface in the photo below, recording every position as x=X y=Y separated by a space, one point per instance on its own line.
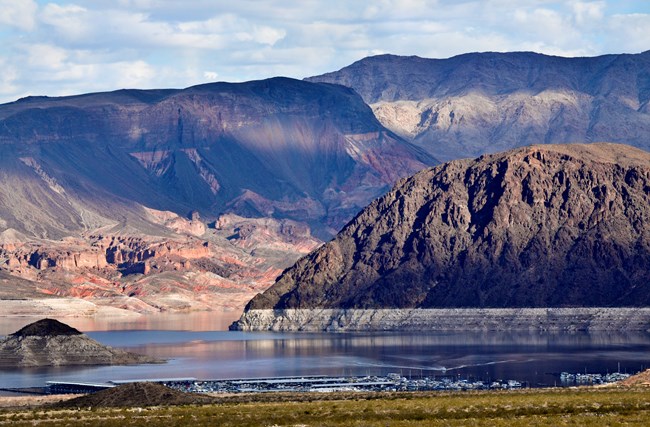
x=198 y=346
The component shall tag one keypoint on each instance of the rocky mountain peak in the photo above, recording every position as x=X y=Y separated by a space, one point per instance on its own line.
x=46 y=328
x=541 y=226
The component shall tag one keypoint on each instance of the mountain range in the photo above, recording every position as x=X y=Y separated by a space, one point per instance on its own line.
x=480 y=103
x=278 y=148
x=198 y=198
x=191 y=199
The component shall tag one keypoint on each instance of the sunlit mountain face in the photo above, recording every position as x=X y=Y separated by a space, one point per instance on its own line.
x=480 y=103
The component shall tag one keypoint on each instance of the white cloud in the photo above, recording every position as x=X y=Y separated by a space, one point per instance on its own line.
x=8 y=77
x=629 y=33
x=131 y=74
x=267 y=35
x=18 y=13
x=546 y=25
x=45 y=57
x=72 y=46
x=401 y=9
x=588 y=13
x=71 y=21
x=210 y=75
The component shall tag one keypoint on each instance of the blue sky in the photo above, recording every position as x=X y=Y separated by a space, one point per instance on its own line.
x=68 y=47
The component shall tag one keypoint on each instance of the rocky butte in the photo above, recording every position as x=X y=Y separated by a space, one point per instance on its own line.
x=540 y=237
x=49 y=342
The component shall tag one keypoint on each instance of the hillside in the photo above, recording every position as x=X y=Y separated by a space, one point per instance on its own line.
x=278 y=148
x=480 y=103
x=541 y=226
x=193 y=199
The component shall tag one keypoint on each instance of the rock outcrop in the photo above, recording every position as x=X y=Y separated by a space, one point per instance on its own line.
x=541 y=226
x=49 y=342
x=480 y=103
x=448 y=319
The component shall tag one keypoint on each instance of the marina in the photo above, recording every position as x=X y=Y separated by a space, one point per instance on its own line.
x=322 y=383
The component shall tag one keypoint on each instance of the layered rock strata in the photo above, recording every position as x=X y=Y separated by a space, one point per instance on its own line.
x=49 y=342
x=450 y=319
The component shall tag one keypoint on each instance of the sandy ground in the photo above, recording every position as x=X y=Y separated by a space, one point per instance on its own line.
x=33 y=401
x=58 y=307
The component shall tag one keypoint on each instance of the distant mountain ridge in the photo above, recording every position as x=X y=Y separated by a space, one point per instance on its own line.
x=280 y=147
x=541 y=226
x=479 y=103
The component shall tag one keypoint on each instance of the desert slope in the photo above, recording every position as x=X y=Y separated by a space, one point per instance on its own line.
x=180 y=200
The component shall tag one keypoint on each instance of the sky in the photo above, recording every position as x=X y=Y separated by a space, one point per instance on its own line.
x=66 y=47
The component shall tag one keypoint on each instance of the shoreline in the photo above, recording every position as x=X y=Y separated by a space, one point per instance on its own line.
x=446 y=319
x=391 y=382
x=22 y=402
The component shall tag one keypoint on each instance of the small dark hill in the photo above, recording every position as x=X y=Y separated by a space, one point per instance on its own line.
x=49 y=342
x=46 y=327
x=136 y=395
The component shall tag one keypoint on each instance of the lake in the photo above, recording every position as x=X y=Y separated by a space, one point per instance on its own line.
x=198 y=346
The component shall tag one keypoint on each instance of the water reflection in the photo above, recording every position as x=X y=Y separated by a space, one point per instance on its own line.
x=194 y=321
x=534 y=358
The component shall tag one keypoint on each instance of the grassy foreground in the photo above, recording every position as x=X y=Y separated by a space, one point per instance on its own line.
x=554 y=407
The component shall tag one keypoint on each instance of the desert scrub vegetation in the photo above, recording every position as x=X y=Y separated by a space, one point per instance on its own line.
x=554 y=407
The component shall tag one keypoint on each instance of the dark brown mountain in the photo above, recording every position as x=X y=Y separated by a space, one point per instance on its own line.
x=44 y=328
x=133 y=395
x=540 y=226
x=49 y=342
x=481 y=103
